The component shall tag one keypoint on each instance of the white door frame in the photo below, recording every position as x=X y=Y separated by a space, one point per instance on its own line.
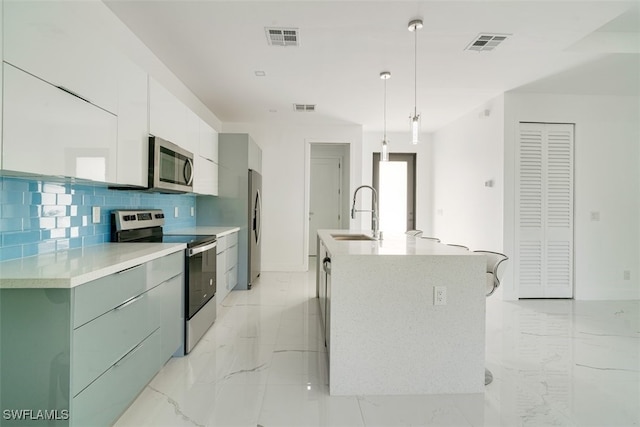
x=346 y=187
x=340 y=162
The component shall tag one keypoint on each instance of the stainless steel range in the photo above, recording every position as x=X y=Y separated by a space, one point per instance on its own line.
x=143 y=226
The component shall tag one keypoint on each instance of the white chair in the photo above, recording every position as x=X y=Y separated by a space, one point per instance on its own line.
x=458 y=246
x=495 y=269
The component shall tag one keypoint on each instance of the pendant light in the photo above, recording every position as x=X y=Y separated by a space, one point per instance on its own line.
x=414 y=26
x=385 y=75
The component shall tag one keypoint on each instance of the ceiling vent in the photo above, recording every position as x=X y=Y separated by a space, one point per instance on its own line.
x=486 y=42
x=300 y=108
x=282 y=36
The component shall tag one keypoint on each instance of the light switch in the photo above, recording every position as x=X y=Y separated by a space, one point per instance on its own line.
x=176 y=212
x=95 y=214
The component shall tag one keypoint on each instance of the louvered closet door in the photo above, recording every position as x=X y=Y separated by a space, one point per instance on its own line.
x=544 y=214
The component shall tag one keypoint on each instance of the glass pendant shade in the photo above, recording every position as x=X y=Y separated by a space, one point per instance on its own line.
x=415 y=129
x=385 y=151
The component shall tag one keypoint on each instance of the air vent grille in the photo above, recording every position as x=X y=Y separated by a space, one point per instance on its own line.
x=282 y=36
x=486 y=42
x=304 y=107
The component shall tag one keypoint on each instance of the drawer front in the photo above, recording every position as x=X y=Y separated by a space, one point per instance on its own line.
x=221 y=270
x=231 y=256
x=99 y=296
x=100 y=343
x=105 y=400
x=232 y=239
x=222 y=244
x=232 y=278
x=171 y=306
x=162 y=269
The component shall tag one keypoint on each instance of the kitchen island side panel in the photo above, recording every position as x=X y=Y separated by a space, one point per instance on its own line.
x=388 y=337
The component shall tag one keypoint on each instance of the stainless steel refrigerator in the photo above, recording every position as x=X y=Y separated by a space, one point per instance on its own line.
x=255 y=225
x=239 y=201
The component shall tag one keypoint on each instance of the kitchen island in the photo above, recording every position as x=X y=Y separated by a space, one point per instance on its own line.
x=383 y=331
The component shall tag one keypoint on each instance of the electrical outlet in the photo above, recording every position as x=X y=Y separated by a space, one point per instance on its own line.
x=627 y=275
x=175 y=212
x=439 y=295
x=595 y=216
x=95 y=214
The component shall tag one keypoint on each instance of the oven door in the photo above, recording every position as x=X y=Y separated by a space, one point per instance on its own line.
x=201 y=276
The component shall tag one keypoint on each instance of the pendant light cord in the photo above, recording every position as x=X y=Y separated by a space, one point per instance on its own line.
x=415 y=75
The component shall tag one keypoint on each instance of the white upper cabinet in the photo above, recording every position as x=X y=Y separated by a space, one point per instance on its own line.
x=133 y=132
x=48 y=131
x=193 y=132
x=205 y=166
x=205 y=179
x=60 y=42
x=208 y=142
x=167 y=115
x=1 y=56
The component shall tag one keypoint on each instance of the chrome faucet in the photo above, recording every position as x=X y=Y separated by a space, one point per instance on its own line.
x=374 y=211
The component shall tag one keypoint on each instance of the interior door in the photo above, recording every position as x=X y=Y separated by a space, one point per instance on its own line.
x=324 y=198
x=544 y=212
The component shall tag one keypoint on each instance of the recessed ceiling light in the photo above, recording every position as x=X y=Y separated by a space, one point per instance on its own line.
x=260 y=73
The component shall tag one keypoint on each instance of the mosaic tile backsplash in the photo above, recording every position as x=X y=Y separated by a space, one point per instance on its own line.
x=39 y=216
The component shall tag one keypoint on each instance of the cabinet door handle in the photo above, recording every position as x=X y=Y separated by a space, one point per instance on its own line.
x=72 y=93
x=129 y=269
x=129 y=302
x=128 y=354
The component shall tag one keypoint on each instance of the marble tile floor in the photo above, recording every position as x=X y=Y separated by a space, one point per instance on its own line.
x=263 y=363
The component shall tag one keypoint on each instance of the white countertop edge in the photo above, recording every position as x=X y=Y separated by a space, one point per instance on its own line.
x=114 y=268
x=393 y=244
x=218 y=231
x=26 y=273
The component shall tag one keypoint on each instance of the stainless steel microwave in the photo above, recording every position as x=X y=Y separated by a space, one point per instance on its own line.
x=170 y=167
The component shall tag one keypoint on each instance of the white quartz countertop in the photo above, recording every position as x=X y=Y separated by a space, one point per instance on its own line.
x=391 y=244
x=204 y=229
x=73 y=267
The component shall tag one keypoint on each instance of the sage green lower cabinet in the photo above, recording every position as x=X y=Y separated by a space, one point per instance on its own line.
x=227 y=265
x=100 y=343
x=78 y=357
x=169 y=297
x=109 y=395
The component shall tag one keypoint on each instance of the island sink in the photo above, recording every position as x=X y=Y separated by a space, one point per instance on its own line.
x=351 y=237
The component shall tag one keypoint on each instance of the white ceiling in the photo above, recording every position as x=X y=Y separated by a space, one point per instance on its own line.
x=215 y=48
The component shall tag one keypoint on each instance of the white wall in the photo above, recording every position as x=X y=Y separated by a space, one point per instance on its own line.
x=285 y=169
x=607 y=180
x=399 y=142
x=467 y=153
